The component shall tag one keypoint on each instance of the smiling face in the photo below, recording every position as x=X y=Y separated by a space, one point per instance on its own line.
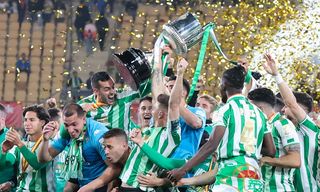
x=32 y=124
x=74 y=124
x=106 y=92
x=145 y=112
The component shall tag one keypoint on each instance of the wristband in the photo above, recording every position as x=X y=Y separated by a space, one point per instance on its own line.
x=248 y=77
x=278 y=79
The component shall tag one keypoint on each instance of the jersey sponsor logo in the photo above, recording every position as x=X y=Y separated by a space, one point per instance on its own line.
x=287 y=130
x=290 y=140
x=96 y=132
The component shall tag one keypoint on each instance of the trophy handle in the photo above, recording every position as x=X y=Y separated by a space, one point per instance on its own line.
x=215 y=42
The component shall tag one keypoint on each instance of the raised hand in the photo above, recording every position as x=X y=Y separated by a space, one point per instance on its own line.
x=49 y=130
x=244 y=63
x=136 y=136
x=270 y=65
x=181 y=66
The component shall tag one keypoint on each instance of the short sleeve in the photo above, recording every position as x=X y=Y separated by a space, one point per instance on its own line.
x=173 y=126
x=202 y=115
x=307 y=126
x=98 y=132
x=59 y=143
x=220 y=118
x=287 y=133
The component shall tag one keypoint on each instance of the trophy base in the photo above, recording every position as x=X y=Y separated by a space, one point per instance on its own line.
x=125 y=73
x=133 y=67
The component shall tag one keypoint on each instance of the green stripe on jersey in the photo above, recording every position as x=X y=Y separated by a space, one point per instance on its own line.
x=117 y=115
x=245 y=128
x=306 y=176
x=284 y=134
x=36 y=180
x=163 y=140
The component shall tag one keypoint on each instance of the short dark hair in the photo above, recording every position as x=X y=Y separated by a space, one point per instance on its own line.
x=2 y=108
x=99 y=76
x=264 y=95
x=185 y=83
x=146 y=98
x=304 y=99
x=73 y=108
x=41 y=112
x=54 y=114
x=3 y=112
x=116 y=132
x=163 y=99
x=235 y=77
x=279 y=104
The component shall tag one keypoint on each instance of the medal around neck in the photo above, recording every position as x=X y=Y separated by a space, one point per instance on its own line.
x=133 y=66
x=183 y=33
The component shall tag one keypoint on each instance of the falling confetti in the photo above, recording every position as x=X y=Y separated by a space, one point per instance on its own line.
x=241 y=28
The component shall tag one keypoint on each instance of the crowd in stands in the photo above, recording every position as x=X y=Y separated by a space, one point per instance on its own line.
x=42 y=11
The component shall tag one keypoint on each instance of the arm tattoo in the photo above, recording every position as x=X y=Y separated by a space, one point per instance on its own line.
x=293 y=148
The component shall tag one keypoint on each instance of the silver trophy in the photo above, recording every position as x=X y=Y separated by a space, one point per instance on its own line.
x=133 y=66
x=183 y=33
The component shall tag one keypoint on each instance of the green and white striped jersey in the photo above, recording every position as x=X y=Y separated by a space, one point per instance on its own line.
x=240 y=147
x=117 y=115
x=245 y=126
x=34 y=180
x=163 y=139
x=305 y=178
x=240 y=172
x=284 y=134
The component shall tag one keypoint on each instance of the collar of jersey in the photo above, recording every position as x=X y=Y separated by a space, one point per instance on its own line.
x=235 y=97
x=274 y=117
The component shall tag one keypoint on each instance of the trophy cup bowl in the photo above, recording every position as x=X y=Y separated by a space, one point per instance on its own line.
x=183 y=33
x=133 y=66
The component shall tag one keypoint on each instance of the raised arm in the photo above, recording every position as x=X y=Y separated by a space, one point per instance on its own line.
x=47 y=153
x=289 y=99
x=196 y=121
x=158 y=86
x=175 y=97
